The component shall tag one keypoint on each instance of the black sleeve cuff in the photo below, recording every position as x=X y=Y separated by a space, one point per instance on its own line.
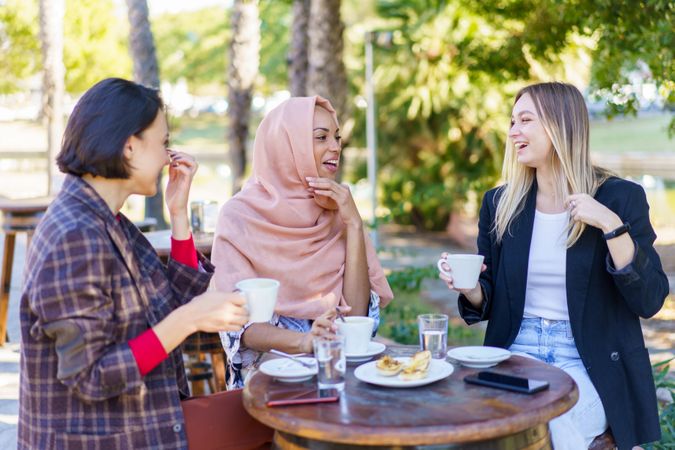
x=470 y=313
x=630 y=273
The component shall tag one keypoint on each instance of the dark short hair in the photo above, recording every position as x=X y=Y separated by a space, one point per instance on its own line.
x=106 y=116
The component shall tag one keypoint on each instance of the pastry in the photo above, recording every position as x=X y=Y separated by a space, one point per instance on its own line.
x=417 y=368
x=388 y=366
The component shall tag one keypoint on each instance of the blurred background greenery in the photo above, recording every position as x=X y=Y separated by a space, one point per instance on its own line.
x=444 y=76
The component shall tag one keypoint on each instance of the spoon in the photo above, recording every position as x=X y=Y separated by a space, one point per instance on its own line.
x=294 y=358
x=339 y=314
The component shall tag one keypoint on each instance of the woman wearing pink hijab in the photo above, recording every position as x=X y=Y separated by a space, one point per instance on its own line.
x=294 y=223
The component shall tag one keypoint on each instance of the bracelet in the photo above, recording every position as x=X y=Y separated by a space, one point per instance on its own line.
x=623 y=228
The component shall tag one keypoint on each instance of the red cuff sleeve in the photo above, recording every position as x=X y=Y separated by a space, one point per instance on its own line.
x=185 y=252
x=147 y=350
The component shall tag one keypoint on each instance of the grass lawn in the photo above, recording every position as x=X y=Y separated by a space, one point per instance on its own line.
x=646 y=133
x=204 y=134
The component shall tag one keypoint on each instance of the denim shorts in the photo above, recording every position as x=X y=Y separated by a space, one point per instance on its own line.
x=552 y=342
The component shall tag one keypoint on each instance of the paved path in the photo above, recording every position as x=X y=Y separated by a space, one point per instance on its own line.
x=401 y=249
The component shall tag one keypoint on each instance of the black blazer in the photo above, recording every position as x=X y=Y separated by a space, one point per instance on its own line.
x=604 y=305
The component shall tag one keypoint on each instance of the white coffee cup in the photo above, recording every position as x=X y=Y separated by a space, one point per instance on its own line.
x=261 y=297
x=357 y=330
x=464 y=269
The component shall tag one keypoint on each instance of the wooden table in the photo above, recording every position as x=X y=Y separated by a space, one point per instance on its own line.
x=161 y=242
x=449 y=413
x=21 y=215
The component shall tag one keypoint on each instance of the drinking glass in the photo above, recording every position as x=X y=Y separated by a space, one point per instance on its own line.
x=330 y=356
x=433 y=329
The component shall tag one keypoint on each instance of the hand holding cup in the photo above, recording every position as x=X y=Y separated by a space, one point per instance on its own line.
x=461 y=272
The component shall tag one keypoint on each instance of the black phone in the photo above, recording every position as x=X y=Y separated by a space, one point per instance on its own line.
x=508 y=382
x=302 y=397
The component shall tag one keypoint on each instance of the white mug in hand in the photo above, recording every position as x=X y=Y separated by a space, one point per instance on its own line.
x=357 y=331
x=261 y=297
x=464 y=269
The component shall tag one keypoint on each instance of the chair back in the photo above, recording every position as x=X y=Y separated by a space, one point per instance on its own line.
x=220 y=422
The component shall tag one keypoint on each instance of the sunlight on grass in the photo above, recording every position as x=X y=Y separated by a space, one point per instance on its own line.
x=645 y=133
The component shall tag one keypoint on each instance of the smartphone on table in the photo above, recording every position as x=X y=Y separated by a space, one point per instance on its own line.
x=302 y=397
x=507 y=382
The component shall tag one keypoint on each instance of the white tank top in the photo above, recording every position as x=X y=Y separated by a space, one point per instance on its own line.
x=546 y=293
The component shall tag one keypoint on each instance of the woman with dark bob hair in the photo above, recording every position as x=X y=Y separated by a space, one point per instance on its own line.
x=101 y=317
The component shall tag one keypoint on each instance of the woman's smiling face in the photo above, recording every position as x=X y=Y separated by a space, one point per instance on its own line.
x=326 y=143
x=527 y=134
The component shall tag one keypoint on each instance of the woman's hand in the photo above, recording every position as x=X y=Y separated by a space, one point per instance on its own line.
x=211 y=312
x=217 y=311
x=584 y=208
x=474 y=295
x=341 y=195
x=182 y=170
x=323 y=326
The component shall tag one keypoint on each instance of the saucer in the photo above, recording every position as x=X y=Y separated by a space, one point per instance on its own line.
x=374 y=348
x=438 y=370
x=479 y=357
x=289 y=371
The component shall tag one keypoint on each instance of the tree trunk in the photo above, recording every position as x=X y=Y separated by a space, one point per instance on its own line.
x=326 y=75
x=53 y=86
x=146 y=72
x=297 y=55
x=242 y=72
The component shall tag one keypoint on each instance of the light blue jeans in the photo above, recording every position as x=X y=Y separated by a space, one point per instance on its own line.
x=551 y=341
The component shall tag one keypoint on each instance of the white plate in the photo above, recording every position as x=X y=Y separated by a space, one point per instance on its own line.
x=289 y=371
x=374 y=348
x=438 y=370
x=479 y=357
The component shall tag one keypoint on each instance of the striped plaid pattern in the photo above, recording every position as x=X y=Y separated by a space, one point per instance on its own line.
x=91 y=283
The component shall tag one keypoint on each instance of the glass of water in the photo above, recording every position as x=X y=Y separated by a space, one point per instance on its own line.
x=330 y=355
x=433 y=330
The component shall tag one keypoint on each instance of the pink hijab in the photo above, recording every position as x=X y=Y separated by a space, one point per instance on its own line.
x=273 y=228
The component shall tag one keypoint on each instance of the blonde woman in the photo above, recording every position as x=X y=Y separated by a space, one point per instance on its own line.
x=570 y=268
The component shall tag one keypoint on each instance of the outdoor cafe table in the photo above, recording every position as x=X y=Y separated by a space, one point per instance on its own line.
x=161 y=242
x=446 y=414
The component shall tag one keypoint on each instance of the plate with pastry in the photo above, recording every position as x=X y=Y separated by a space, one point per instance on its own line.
x=402 y=372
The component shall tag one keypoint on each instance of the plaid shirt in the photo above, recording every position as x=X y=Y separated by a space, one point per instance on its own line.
x=92 y=283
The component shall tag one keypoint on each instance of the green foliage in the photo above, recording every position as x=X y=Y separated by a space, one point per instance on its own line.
x=275 y=29
x=19 y=48
x=410 y=279
x=632 y=35
x=399 y=319
x=442 y=91
x=95 y=43
x=666 y=411
x=193 y=45
x=629 y=36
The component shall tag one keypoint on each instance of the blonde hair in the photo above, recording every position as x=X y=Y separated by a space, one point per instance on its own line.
x=563 y=114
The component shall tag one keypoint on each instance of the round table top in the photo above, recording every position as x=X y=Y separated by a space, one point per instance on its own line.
x=25 y=205
x=448 y=411
x=161 y=242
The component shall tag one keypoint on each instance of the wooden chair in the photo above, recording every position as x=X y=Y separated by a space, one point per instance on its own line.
x=605 y=441
x=220 y=422
x=203 y=371
x=18 y=216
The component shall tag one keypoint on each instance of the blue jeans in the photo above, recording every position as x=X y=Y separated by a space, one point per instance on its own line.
x=551 y=341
